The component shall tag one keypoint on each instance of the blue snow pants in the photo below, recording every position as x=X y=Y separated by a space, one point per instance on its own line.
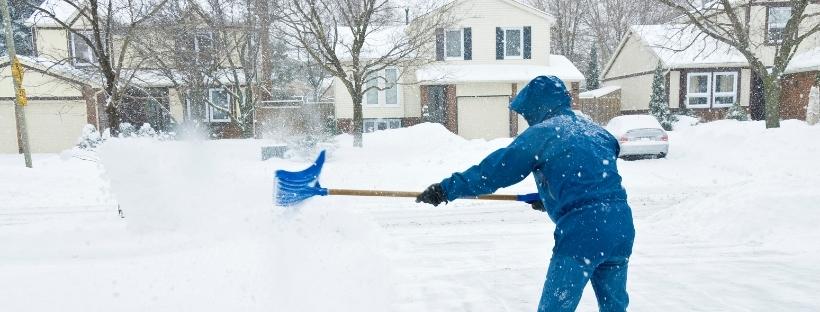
x=592 y=244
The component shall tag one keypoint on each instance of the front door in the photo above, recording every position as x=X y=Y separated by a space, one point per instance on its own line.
x=436 y=105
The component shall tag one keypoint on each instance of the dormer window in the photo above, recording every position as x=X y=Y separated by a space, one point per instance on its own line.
x=82 y=54
x=777 y=17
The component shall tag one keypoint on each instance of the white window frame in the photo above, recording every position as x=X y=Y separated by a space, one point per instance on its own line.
x=460 y=45
x=381 y=83
x=391 y=123
x=72 y=40
x=716 y=94
x=699 y=95
x=521 y=47
x=210 y=110
x=780 y=26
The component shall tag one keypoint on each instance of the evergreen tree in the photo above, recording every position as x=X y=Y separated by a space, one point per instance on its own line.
x=19 y=11
x=658 y=104
x=592 y=73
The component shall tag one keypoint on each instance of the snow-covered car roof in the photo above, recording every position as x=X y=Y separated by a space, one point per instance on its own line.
x=621 y=124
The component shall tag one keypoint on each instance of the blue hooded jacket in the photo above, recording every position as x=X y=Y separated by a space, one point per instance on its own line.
x=572 y=159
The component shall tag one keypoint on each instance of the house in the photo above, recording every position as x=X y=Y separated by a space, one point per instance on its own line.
x=495 y=48
x=65 y=91
x=708 y=76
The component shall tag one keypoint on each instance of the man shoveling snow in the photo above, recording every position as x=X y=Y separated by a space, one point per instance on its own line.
x=574 y=165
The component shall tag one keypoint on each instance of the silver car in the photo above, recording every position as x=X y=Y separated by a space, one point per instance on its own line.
x=639 y=136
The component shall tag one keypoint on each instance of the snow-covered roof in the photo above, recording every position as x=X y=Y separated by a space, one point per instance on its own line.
x=684 y=46
x=591 y=94
x=62 y=10
x=805 y=61
x=436 y=73
x=61 y=69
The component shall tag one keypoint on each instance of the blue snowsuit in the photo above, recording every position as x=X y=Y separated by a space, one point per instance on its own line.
x=573 y=161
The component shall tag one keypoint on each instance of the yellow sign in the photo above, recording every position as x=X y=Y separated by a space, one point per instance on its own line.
x=21 y=97
x=17 y=70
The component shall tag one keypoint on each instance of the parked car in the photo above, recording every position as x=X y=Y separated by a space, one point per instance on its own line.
x=639 y=136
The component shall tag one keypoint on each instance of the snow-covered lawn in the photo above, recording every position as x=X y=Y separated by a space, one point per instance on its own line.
x=728 y=222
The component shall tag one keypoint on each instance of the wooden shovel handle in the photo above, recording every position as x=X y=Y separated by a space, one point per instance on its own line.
x=383 y=193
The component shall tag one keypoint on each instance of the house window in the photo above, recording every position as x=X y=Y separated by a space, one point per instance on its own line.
x=453 y=45
x=222 y=99
x=776 y=24
x=203 y=46
x=391 y=91
x=383 y=88
x=375 y=124
x=697 y=89
x=705 y=90
x=372 y=93
x=196 y=48
x=725 y=90
x=513 y=41
x=82 y=53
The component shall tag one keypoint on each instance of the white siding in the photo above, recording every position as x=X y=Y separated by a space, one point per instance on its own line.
x=633 y=58
x=674 y=89
x=483 y=16
x=635 y=91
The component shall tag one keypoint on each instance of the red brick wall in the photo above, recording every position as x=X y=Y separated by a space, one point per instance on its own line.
x=452 y=108
x=345 y=125
x=795 y=95
x=410 y=121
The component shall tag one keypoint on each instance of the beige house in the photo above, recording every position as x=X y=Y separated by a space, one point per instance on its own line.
x=65 y=92
x=708 y=76
x=479 y=65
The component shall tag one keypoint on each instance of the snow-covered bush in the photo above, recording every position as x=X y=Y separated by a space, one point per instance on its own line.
x=737 y=112
x=658 y=104
x=813 y=109
x=90 y=138
x=146 y=131
x=126 y=130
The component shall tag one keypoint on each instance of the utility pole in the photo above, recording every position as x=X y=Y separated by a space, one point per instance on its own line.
x=20 y=100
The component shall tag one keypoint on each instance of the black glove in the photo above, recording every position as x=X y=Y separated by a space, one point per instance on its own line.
x=537 y=205
x=433 y=195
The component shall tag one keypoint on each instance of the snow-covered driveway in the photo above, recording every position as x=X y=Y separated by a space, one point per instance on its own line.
x=727 y=223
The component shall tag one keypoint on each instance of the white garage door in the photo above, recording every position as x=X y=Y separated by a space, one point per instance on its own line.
x=484 y=117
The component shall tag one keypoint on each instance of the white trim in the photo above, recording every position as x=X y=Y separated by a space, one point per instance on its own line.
x=699 y=95
x=210 y=110
x=521 y=43
x=716 y=94
x=460 y=57
x=781 y=26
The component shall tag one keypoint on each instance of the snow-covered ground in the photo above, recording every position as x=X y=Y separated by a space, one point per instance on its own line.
x=728 y=222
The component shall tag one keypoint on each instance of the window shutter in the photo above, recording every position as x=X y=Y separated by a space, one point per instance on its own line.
x=527 y=42
x=499 y=43
x=439 y=44
x=468 y=43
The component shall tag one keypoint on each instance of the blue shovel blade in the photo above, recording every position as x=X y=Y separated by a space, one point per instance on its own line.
x=293 y=187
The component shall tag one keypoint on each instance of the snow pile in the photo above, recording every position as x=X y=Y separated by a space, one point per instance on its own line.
x=749 y=184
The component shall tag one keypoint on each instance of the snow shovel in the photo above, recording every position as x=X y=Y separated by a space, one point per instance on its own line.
x=293 y=187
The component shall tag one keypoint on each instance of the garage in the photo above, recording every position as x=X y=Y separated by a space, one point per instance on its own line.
x=485 y=117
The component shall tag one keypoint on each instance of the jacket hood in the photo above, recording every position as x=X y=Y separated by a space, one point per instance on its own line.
x=542 y=98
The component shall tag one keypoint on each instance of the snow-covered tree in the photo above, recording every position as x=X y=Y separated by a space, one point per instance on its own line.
x=592 y=71
x=737 y=112
x=338 y=35
x=658 y=102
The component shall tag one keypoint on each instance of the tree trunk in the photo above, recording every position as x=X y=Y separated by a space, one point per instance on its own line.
x=771 y=92
x=358 y=121
x=112 y=112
